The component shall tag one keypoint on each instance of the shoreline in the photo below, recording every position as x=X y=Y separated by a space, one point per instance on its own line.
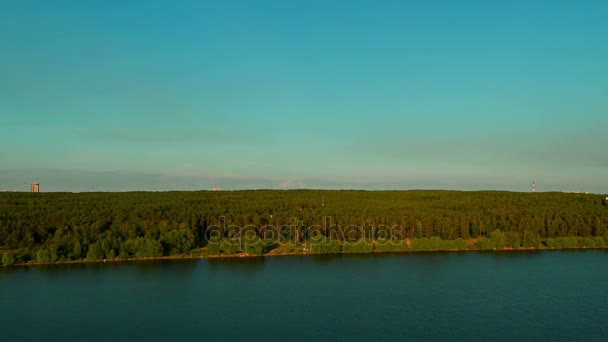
x=270 y=254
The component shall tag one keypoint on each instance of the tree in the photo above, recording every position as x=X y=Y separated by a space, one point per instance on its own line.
x=498 y=239
x=8 y=259
x=230 y=246
x=56 y=226
x=485 y=244
x=435 y=242
x=325 y=245
x=150 y=249
x=255 y=246
x=42 y=255
x=95 y=252
x=213 y=248
x=177 y=241
x=418 y=232
x=76 y=251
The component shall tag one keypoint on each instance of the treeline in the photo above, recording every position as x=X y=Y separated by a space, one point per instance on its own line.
x=49 y=227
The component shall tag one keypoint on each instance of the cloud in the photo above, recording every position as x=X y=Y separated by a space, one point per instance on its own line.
x=571 y=151
x=86 y=180
x=292 y=184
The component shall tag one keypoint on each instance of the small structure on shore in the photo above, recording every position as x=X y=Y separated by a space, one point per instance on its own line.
x=605 y=201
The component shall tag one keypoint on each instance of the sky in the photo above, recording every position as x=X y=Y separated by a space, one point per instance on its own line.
x=188 y=95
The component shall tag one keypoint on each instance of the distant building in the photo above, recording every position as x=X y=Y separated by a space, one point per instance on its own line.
x=215 y=189
x=605 y=202
x=35 y=187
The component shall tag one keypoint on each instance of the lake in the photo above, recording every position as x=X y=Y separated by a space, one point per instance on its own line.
x=520 y=295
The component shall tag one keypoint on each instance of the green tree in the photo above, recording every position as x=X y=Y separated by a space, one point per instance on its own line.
x=484 y=244
x=589 y=242
x=77 y=251
x=8 y=259
x=43 y=255
x=552 y=243
x=213 y=248
x=435 y=242
x=497 y=239
x=599 y=241
x=95 y=252
x=255 y=246
x=325 y=245
x=512 y=239
x=150 y=248
x=230 y=246
x=177 y=241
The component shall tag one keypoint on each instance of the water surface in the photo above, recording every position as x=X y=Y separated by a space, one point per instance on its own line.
x=504 y=296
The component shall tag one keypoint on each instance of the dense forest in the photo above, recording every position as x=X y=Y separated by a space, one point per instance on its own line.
x=51 y=227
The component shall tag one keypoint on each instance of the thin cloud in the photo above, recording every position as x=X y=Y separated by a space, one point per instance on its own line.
x=513 y=152
x=86 y=180
x=292 y=184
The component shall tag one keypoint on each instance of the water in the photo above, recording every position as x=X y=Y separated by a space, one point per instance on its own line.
x=504 y=296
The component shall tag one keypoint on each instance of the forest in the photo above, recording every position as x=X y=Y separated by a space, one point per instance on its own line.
x=60 y=227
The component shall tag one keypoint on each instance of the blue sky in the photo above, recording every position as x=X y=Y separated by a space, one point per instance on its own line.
x=161 y=95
